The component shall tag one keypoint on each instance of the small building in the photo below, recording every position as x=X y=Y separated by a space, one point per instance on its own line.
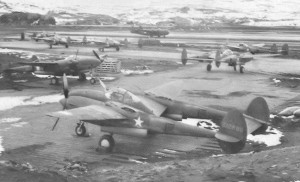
x=109 y=66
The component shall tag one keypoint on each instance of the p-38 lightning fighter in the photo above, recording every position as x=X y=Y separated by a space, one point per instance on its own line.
x=72 y=65
x=149 y=32
x=119 y=111
x=221 y=56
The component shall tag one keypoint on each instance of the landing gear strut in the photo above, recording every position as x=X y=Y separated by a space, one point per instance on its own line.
x=80 y=129
x=106 y=143
x=82 y=77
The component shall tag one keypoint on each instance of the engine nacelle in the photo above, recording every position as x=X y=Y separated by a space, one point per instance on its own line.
x=176 y=117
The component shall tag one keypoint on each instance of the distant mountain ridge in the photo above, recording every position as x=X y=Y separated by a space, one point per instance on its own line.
x=192 y=13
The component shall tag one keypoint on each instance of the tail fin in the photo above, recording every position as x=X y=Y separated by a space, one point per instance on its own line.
x=233 y=132
x=285 y=49
x=184 y=57
x=274 y=49
x=218 y=55
x=257 y=116
x=34 y=58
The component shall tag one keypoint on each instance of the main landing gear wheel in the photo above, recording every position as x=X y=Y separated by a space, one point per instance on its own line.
x=117 y=48
x=67 y=46
x=242 y=69
x=50 y=46
x=106 y=143
x=232 y=147
x=93 y=81
x=54 y=81
x=82 y=77
x=80 y=129
x=208 y=67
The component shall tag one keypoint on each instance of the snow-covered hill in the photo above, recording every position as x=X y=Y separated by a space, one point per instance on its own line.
x=191 y=12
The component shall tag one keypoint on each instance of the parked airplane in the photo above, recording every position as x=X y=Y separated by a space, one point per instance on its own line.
x=73 y=65
x=119 y=111
x=38 y=35
x=253 y=49
x=56 y=40
x=109 y=43
x=150 y=32
x=221 y=56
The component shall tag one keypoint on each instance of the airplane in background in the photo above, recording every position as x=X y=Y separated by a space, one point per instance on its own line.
x=119 y=111
x=109 y=43
x=253 y=49
x=56 y=40
x=221 y=56
x=73 y=65
x=38 y=35
x=149 y=32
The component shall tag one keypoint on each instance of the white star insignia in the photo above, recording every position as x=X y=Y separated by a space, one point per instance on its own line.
x=138 y=122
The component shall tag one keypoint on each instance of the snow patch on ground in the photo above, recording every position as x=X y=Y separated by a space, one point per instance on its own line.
x=1 y=147
x=271 y=138
x=11 y=102
x=20 y=124
x=136 y=72
x=9 y=120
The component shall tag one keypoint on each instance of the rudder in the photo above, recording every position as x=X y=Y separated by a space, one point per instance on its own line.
x=258 y=109
x=184 y=57
x=232 y=135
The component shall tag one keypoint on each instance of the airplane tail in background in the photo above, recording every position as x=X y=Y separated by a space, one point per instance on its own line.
x=232 y=134
x=184 y=57
x=218 y=55
x=257 y=116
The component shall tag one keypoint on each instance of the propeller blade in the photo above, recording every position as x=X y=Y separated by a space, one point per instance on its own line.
x=55 y=124
x=95 y=53
x=65 y=86
x=102 y=84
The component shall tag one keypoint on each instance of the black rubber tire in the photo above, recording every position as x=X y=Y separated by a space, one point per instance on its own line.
x=111 y=143
x=82 y=77
x=208 y=67
x=117 y=48
x=80 y=131
x=50 y=46
x=93 y=81
x=67 y=46
x=242 y=69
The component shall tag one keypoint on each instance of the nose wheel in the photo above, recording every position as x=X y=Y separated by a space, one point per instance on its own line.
x=107 y=143
x=80 y=129
x=208 y=67
x=242 y=69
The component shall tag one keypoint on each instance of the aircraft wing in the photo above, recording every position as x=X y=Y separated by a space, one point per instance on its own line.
x=234 y=48
x=95 y=114
x=39 y=63
x=258 y=45
x=170 y=90
x=201 y=59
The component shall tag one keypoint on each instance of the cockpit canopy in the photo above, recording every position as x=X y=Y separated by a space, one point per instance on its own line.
x=122 y=95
